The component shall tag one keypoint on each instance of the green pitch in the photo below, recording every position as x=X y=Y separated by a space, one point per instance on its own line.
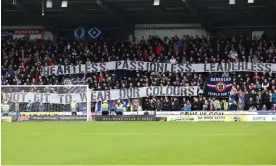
x=135 y=143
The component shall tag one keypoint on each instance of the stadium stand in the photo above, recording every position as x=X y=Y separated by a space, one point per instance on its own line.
x=22 y=60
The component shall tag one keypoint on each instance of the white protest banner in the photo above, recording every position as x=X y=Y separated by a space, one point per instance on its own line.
x=53 y=98
x=137 y=92
x=158 y=67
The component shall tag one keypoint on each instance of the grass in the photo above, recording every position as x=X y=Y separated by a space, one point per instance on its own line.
x=135 y=143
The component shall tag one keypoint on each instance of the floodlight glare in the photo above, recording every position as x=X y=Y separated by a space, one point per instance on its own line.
x=64 y=3
x=156 y=2
x=250 y=1
x=232 y=2
x=49 y=4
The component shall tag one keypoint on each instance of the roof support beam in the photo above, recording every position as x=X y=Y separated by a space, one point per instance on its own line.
x=119 y=19
x=35 y=15
x=107 y=8
x=196 y=13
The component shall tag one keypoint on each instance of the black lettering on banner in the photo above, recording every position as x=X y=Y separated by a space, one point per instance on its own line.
x=46 y=71
x=80 y=68
x=173 y=68
x=46 y=97
x=152 y=66
x=94 y=95
x=37 y=97
x=132 y=65
x=155 y=91
x=162 y=93
x=16 y=97
x=213 y=67
x=246 y=66
x=189 y=67
x=227 y=66
x=136 y=92
x=23 y=96
x=107 y=94
x=260 y=67
x=52 y=70
x=160 y=67
x=122 y=93
x=268 y=67
x=87 y=68
x=234 y=67
x=181 y=68
x=117 y=64
x=59 y=70
x=94 y=67
x=241 y=66
x=253 y=67
x=67 y=69
x=140 y=66
x=103 y=66
x=190 y=91
x=68 y=98
x=205 y=67
x=83 y=97
x=169 y=91
x=100 y=95
x=219 y=67
x=177 y=90
x=74 y=69
x=125 y=65
x=183 y=91
x=61 y=98
x=148 y=91
x=167 y=69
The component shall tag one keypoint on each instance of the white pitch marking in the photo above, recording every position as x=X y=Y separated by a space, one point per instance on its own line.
x=107 y=133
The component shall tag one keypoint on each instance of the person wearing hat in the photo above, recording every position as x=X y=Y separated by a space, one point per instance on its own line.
x=105 y=110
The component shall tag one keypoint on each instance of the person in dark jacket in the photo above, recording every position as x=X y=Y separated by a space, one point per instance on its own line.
x=266 y=99
x=158 y=105
x=175 y=105
x=166 y=104
x=146 y=104
x=196 y=105
x=246 y=100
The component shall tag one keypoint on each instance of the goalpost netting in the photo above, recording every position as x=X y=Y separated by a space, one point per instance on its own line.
x=46 y=98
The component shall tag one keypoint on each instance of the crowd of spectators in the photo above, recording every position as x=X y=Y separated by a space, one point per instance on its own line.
x=22 y=61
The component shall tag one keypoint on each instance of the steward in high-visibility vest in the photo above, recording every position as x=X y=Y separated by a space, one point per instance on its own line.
x=105 y=108
x=225 y=105
x=130 y=108
x=119 y=108
x=219 y=105
x=5 y=108
x=74 y=107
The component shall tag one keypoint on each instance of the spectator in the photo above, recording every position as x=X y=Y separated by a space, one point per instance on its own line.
x=159 y=105
x=17 y=57
x=29 y=106
x=241 y=105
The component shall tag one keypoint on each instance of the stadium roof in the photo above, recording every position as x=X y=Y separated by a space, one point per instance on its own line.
x=210 y=13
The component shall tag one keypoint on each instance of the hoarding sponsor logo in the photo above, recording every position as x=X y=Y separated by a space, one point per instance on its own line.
x=211 y=118
x=274 y=118
x=79 y=33
x=23 y=118
x=259 y=118
x=58 y=118
x=184 y=118
x=202 y=113
x=127 y=118
x=94 y=32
